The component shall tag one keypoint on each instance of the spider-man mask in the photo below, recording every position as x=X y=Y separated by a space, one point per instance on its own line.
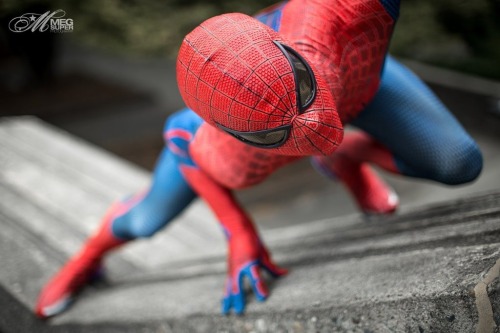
x=246 y=79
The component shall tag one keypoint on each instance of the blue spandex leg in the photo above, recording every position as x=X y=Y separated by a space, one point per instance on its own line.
x=425 y=138
x=169 y=193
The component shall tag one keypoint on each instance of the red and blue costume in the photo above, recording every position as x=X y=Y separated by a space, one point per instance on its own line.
x=264 y=92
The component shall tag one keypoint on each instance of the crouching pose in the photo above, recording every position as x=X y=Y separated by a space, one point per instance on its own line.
x=266 y=91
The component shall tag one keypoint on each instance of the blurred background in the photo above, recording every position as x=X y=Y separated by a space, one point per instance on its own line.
x=111 y=81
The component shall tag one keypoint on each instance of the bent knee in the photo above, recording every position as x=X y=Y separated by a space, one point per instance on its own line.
x=462 y=166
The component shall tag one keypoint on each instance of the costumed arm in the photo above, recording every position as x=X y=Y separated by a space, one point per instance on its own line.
x=246 y=252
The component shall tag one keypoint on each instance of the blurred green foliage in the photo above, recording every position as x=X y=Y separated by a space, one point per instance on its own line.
x=458 y=34
x=461 y=34
x=138 y=27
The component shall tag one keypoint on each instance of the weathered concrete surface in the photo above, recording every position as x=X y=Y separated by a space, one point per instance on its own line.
x=415 y=272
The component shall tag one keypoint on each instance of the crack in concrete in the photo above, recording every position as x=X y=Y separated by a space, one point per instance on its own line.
x=486 y=323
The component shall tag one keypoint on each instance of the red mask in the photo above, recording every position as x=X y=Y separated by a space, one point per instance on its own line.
x=245 y=78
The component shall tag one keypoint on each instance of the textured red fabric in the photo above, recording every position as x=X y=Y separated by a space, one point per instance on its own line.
x=230 y=72
x=346 y=40
x=243 y=167
x=245 y=246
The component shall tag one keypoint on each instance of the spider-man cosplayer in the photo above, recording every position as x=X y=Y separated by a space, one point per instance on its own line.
x=263 y=92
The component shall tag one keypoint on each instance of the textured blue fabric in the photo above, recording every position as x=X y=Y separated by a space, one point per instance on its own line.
x=392 y=7
x=272 y=16
x=425 y=138
x=169 y=193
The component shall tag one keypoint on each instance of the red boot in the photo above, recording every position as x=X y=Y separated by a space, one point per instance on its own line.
x=58 y=293
x=350 y=165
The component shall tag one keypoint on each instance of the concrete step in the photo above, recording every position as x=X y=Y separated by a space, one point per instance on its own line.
x=429 y=269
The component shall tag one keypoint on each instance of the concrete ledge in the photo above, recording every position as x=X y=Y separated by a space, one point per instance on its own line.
x=426 y=286
x=431 y=269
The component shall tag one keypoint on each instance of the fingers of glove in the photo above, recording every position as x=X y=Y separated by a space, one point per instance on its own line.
x=235 y=302
x=227 y=301
x=272 y=268
x=226 y=305
x=258 y=286
x=234 y=297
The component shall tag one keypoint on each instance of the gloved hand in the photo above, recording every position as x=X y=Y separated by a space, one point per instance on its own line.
x=247 y=256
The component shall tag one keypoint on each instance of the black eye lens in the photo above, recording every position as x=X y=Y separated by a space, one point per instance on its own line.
x=304 y=78
x=265 y=139
x=306 y=91
x=269 y=138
